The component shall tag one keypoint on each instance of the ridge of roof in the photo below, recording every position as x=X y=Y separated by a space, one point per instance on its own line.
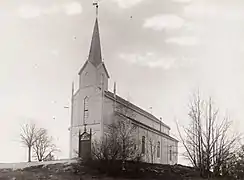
x=122 y=100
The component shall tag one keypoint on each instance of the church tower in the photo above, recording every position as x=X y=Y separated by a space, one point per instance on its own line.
x=88 y=101
x=97 y=74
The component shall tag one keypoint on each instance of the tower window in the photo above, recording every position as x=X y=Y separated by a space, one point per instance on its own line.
x=143 y=145
x=85 y=109
x=158 y=149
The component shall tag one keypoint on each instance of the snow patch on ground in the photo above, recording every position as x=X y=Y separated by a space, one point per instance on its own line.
x=23 y=165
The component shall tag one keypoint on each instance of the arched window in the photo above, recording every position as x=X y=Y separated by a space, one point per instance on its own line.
x=85 y=110
x=158 y=149
x=143 y=145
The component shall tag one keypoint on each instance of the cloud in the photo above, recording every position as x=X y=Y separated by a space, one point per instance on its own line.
x=29 y=11
x=149 y=59
x=164 y=21
x=182 y=1
x=203 y=9
x=72 y=8
x=183 y=41
x=127 y=3
x=33 y=11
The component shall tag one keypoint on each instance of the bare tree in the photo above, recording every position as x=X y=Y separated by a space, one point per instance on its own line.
x=49 y=157
x=207 y=140
x=119 y=143
x=106 y=149
x=125 y=126
x=28 y=137
x=43 y=146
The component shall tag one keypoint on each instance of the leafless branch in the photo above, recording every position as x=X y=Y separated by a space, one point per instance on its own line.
x=43 y=146
x=28 y=137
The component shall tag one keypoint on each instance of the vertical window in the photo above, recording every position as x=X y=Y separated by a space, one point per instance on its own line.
x=143 y=145
x=158 y=149
x=85 y=109
x=170 y=153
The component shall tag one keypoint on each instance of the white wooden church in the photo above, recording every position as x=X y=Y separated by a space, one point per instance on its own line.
x=92 y=106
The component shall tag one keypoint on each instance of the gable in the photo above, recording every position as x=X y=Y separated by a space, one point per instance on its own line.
x=83 y=67
x=88 y=67
x=102 y=66
x=85 y=136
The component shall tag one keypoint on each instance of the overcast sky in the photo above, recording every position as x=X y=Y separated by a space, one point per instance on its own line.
x=158 y=51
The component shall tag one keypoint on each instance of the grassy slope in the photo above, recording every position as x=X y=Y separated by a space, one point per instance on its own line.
x=95 y=171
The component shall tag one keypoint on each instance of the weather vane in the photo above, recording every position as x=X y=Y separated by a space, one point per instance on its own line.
x=96 y=5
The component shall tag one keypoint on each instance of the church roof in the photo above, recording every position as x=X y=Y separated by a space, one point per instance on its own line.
x=106 y=71
x=123 y=101
x=95 y=54
x=144 y=125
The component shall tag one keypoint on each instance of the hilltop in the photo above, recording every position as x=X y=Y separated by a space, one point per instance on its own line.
x=72 y=169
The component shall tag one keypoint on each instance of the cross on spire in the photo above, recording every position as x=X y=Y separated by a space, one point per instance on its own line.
x=96 y=5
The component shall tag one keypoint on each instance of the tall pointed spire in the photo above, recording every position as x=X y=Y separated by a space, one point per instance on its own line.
x=95 y=54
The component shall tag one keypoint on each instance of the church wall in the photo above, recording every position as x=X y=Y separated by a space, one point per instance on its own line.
x=88 y=76
x=164 y=147
x=92 y=76
x=156 y=137
x=173 y=146
x=93 y=119
x=94 y=115
x=108 y=117
x=76 y=113
x=147 y=121
x=93 y=104
x=89 y=87
x=96 y=134
x=108 y=113
x=164 y=150
x=100 y=79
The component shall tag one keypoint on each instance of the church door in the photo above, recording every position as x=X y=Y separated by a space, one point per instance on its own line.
x=85 y=146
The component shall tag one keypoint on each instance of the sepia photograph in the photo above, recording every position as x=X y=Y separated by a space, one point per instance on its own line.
x=121 y=89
